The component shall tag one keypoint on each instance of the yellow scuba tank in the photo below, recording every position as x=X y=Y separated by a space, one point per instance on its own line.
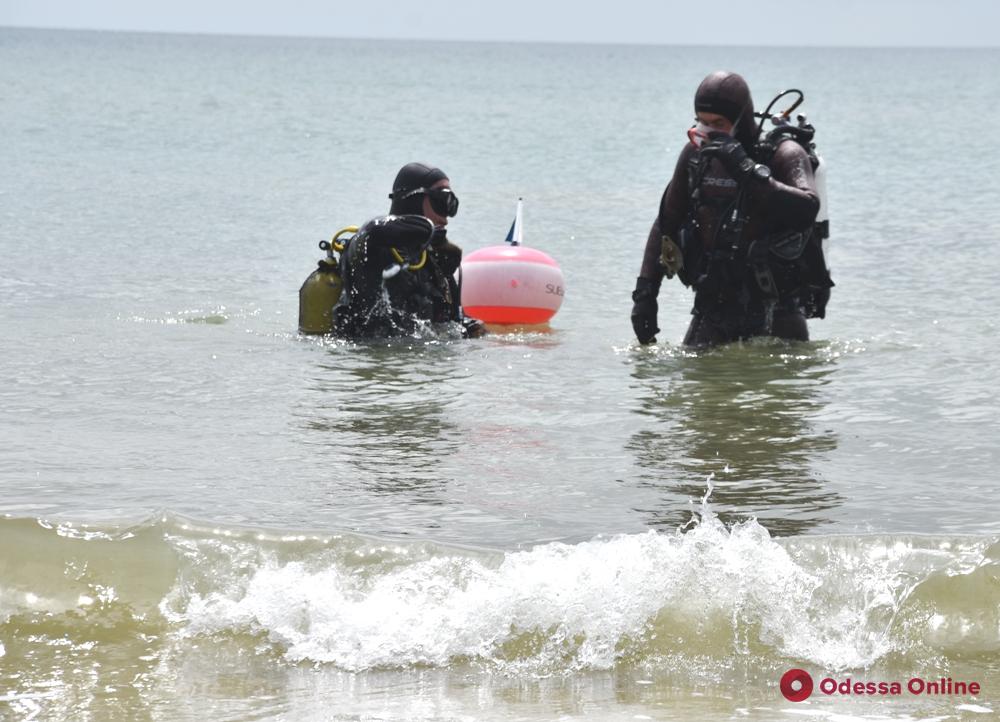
x=321 y=290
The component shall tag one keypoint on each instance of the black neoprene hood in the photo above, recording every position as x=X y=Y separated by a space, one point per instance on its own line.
x=728 y=95
x=410 y=177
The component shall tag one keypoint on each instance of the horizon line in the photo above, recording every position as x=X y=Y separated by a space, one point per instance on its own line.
x=597 y=43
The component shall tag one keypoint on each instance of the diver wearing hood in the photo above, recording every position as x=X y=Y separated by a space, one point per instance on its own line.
x=717 y=224
x=399 y=270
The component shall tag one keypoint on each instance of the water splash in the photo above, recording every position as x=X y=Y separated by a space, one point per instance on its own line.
x=709 y=596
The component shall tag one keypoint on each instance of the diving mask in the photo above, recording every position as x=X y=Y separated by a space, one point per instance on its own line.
x=700 y=134
x=444 y=202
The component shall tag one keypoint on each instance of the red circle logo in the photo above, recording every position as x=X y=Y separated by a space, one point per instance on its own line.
x=796 y=685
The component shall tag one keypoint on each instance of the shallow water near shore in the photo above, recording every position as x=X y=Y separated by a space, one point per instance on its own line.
x=207 y=515
x=169 y=618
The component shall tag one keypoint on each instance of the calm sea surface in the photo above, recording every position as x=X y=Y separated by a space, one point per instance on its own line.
x=204 y=515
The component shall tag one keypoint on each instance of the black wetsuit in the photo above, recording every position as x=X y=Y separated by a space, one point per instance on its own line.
x=425 y=291
x=729 y=304
x=371 y=305
x=728 y=220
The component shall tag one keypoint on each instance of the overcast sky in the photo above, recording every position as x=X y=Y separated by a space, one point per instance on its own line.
x=671 y=22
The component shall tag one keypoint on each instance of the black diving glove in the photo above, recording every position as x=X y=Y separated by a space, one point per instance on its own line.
x=409 y=233
x=644 y=308
x=473 y=327
x=731 y=153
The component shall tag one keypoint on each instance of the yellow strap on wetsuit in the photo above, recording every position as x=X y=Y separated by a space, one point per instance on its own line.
x=413 y=267
x=339 y=247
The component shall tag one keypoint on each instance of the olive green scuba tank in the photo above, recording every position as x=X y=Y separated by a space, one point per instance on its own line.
x=321 y=290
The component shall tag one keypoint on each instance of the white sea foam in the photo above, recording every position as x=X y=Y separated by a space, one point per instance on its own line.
x=711 y=590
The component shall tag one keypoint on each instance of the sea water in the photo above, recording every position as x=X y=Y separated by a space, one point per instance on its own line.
x=206 y=515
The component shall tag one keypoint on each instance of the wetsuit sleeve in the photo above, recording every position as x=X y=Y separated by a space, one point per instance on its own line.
x=790 y=193
x=405 y=239
x=673 y=210
x=651 y=268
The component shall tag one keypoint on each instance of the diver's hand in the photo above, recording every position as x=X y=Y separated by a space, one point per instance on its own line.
x=644 y=309
x=409 y=233
x=473 y=327
x=731 y=154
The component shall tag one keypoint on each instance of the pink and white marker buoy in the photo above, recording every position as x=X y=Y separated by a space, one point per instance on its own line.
x=511 y=284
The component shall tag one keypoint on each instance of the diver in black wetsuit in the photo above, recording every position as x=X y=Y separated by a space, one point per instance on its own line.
x=399 y=270
x=723 y=218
